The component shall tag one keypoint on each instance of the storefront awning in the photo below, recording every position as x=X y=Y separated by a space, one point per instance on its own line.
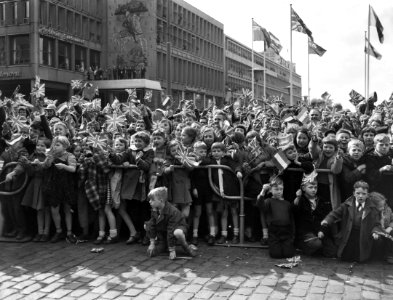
x=127 y=84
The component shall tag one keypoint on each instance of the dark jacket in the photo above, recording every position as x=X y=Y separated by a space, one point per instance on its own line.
x=293 y=179
x=349 y=175
x=166 y=223
x=370 y=223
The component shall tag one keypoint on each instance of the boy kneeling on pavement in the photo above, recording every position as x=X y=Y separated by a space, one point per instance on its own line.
x=167 y=226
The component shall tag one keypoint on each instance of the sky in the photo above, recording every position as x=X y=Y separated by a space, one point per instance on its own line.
x=337 y=26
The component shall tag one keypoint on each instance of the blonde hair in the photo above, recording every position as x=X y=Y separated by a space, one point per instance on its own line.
x=62 y=140
x=160 y=193
x=377 y=199
x=356 y=143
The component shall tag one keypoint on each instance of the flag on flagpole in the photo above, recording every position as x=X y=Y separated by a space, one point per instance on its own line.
x=260 y=34
x=371 y=50
x=281 y=161
x=313 y=48
x=374 y=21
x=298 y=24
x=275 y=43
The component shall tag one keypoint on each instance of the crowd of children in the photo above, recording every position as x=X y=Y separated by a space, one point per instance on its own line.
x=128 y=170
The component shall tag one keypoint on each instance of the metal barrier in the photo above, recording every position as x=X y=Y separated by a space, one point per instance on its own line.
x=240 y=198
x=26 y=178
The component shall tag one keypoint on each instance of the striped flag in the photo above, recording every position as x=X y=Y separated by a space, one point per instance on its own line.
x=371 y=51
x=260 y=34
x=275 y=44
x=313 y=48
x=280 y=161
x=374 y=21
x=303 y=115
x=298 y=24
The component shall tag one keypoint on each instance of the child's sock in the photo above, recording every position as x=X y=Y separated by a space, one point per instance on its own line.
x=236 y=231
x=224 y=233
x=101 y=233
x=265 y=233
x=212 y=231
x=113 y=233
x=195 y=233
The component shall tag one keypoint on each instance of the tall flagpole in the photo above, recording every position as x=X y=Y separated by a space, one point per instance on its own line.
x=368 y=56
x=365 y=65
x=308 y=71
x=290 y=67
x=252 y=58
x=264 y=71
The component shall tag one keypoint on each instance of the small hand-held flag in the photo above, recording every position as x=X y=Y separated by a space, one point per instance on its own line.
x=356 y=98
x=281 y=161
x=298 y=24
x=374 y=21
x=114 y=122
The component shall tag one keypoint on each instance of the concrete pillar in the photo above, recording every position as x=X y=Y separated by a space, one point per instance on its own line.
x=34 y=36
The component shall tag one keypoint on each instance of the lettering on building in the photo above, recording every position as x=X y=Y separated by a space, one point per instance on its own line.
x=60 y=35
x=9 y=74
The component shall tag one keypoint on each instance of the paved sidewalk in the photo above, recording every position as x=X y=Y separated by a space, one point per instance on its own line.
x=64 y=271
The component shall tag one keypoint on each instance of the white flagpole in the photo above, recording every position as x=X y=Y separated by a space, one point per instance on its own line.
x=365 y=65
x=252 y=59
x=264 y=69
x=368 y=56
x=308 y=71
x=290 y=67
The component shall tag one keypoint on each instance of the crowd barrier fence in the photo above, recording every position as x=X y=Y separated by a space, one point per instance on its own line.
x=241 y=198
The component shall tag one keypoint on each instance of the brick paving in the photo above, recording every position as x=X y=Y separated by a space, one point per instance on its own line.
x=64 y=271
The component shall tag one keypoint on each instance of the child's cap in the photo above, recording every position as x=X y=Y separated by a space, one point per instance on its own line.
x=381 y=138
x=342 y=130
x=330 y=141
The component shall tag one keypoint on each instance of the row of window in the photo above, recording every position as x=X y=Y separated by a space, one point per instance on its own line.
x=14 y=13
x=190 y=21
x=186 y=41
x=69 y=21
x=19 y=53
x=91 y=6
x=189 y=73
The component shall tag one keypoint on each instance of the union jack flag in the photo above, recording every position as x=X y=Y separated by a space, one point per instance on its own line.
x=96 y=141
x=76 y=84
x=148 y=95
x=38 y=90
x=185 y=159
x=17 y=122
x=246 y=93
x=131 y=93
x=76 y=99
x=115 y=121
x=255 y=149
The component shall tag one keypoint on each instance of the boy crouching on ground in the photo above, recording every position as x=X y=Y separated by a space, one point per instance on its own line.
x=167 y=226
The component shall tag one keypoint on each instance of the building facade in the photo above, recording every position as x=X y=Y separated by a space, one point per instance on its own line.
x=168 y=44
x=57 y=40
x=238 y=66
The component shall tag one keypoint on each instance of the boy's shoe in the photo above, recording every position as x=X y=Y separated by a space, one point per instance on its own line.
x=194 y=241
x=221 y=240
x=57 y=237
x=37 y=238
x=133 y=239
x=71 y=238
x=211 y=240
x=191 y=250
x=44 y=238
x=145 y=241
x=111 y=240
x=264 y=242
x=99 y=240
x=235 y=239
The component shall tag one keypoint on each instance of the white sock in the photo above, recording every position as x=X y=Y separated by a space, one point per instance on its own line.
x=236 y=231
x=195 y=233
x=113 y=233
x=101 y=233
x=265 y=233
x=212 y=231
x=224 y=233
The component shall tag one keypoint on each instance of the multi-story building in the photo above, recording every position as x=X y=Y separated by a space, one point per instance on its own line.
x=119 y=44
x=57 y=40
x=238 y=66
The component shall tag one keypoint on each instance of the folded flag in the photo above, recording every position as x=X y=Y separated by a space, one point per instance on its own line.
x=374 y=21
x=356 y=98
x=280 y=161
x=298 y=24
x=371 y=50
x=313 y=48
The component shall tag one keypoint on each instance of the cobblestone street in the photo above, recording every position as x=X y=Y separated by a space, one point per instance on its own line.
x=64 y=271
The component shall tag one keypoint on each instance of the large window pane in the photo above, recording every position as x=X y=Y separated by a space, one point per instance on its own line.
x=94 y=59
x=47 y=51
x=80 y=59
x=64 y=55
x=19 y=49
x=2 y=50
